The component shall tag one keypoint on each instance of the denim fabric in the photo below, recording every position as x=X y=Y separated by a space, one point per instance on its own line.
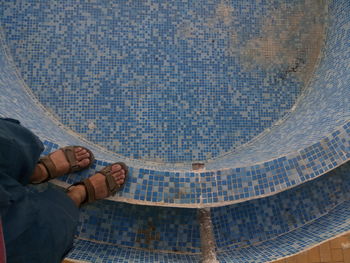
x=38 y=226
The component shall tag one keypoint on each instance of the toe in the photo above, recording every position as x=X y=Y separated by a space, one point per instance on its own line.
x=81 y=152
x=120 y=180
x=84 y=163
x=78 y=149
x=120 y=172
x=83 y=156
x=118 y=175
x=116 y=168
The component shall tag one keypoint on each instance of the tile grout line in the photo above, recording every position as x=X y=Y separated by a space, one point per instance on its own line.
x=207 y=236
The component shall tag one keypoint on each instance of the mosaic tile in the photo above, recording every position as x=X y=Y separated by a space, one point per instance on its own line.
x=255 y=231
x=165 y=81
x=313 y=140
x=333 y=224
x=151 y=228
x=103 y=253
x=256 y=221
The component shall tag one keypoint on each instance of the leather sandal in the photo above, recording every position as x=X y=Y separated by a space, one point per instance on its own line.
x=69 y=153
x=112 y=186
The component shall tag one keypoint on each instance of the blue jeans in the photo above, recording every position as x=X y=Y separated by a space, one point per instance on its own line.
x=38 y=226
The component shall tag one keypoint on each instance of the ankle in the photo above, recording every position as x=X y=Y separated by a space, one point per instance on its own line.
x=77 y=193
x=39 y=175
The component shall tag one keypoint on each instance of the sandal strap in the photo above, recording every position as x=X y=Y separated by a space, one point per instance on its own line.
x=49 y=166
x=110 y=182
x=112 y=186
x=69 y=153
x=90 y=191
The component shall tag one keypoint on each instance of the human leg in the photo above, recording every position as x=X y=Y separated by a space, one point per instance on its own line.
x=20 y=150
x=51 y=218
x=40 y=227
x=78 y=193
x=82 y=157
x=30 y=218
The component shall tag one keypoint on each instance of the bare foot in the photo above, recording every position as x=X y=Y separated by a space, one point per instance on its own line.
x=78 y=193
x=62 y=165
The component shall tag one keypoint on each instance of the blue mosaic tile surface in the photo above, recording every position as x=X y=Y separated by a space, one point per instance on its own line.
x=166 y=81
x=103 y=253
x=194 y=189
x=331 y=225
x=151 y=228
x=256 y=221
x=312 y=141
x=298 y=150
x=324 y=107
x=334 y=223
x=255 y=231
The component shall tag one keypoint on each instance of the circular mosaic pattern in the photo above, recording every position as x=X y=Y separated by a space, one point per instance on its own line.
x=167 y=81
